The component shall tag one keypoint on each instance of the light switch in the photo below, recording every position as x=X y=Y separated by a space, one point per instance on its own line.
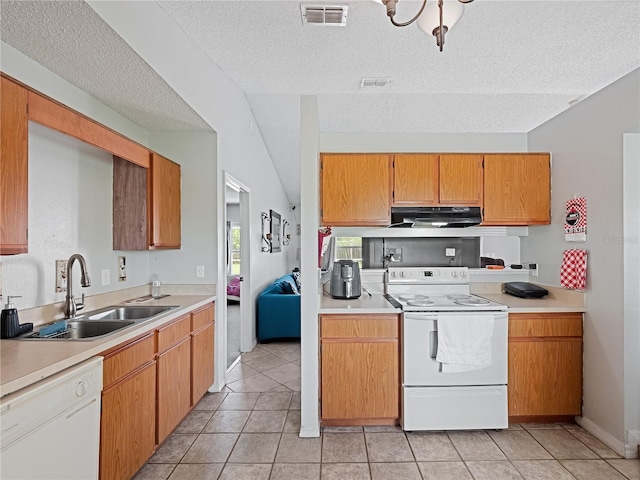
x=200 y=271
x=106 y=277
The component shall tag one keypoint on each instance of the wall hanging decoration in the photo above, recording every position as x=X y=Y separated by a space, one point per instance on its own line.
x=575 y=220
x=275 y=231
x=286 y=237
x=266 y=237
x=573 y=273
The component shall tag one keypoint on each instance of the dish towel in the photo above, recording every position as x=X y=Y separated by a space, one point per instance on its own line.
x=464 y=342
x=573 y=273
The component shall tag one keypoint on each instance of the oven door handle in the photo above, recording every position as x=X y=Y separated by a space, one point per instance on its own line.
x=419 y=316
x=433 y=343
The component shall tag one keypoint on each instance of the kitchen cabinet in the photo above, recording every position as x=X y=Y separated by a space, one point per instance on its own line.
x=517 y=189
x=545 y=366
x=355 y=189
x=174 y=375
x=146 y=205
x=165 y=203
x=128 y=418
x=437 y=179
x=202 y=352
x=360 y=369
x=14 y=168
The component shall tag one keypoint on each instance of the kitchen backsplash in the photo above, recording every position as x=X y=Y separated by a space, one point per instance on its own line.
x=419 y=252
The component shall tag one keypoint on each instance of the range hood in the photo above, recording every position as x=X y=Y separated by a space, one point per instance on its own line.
x=435 y=217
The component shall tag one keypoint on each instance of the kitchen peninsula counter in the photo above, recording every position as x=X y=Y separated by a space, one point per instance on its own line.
x=366 y=304
x=25 y=362
x=558 y=300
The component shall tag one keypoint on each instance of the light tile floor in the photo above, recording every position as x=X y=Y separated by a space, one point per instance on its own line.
x=250 y=432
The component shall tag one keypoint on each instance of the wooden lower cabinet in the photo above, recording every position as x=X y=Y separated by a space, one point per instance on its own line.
x=202 y=362
x=174 y=388
x=545 y=366
x=128 y=419
x=360 y=369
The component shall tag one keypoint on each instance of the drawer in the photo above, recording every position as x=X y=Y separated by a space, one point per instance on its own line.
x=124 y=360
x=545 y=325
x=359 y=326
x=202 y=317
x=174 y=332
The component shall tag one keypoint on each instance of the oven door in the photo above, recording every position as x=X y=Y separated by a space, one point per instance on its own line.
x=420 y=342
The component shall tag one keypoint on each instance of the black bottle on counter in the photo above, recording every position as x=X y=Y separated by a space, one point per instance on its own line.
x=9 y=324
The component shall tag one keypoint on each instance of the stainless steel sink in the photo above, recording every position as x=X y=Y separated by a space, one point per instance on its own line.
x=102 y=322
x=129 y=312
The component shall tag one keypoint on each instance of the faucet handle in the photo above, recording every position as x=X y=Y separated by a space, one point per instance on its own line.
x=80 y=305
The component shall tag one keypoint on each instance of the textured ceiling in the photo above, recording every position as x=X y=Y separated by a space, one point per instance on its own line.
x=69 y=39
x=507 y=66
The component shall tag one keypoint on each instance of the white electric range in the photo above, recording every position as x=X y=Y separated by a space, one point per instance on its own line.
x=437 y=395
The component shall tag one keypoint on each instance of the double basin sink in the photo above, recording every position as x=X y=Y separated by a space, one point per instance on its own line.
x=99 y=323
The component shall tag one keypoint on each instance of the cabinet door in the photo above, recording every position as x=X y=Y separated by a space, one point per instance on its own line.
x=355 y=189
x=517 y=189
x=174 y=388
x=165 y=203
x=461 y=180
x=14 y=168
x=545 y=376
x=127 y=424
x=360 y=380
x=202 y=362
x=130 y=215
x=415 y=179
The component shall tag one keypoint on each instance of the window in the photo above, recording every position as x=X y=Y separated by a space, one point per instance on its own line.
x=233 y=249
x=349 y=248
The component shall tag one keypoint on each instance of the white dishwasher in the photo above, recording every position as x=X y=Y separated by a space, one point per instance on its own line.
x=51 y=429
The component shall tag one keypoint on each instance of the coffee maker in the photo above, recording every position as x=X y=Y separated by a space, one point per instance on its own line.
x=345 y=280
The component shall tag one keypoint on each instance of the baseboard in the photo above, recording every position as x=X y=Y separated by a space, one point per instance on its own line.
x=310 y=432
x=633 y=444
x=628 y=450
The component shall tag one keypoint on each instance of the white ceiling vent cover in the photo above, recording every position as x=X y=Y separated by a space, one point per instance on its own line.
x=329 y=15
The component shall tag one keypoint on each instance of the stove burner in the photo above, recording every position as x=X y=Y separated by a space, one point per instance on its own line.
x=420 y=303
x=458 y=296
x=412 y=296
x=472 y=301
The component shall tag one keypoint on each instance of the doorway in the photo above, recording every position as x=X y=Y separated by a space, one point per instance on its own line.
x=236 y=267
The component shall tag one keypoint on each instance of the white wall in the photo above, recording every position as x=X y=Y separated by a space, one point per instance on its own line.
x=196 y=154
x=70 y=211
x=240 y=148
x=587 y=158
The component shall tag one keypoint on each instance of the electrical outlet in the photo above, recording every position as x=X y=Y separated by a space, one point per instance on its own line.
x=200 y=271
x=122 y=268
x=61 y=276
x=450 y=252
x=533 y=269
x=106 y=277
x=394 y=254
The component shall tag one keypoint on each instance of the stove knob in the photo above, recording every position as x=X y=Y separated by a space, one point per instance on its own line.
x=463 y=274
x=454 y=274
x=402 y=274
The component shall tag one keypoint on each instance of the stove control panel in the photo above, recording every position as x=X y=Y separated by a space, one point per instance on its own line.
x=428 y=275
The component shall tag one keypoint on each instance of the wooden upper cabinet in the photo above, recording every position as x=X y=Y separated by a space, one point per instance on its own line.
x=461 y=180
x=165 y=203
x=415 y=179
x=517 y=189
x=14 y=168
x=355 y=189
x=438 y=180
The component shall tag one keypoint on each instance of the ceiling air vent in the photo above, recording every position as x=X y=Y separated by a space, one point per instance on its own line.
x=374 y=82
x=330 y=15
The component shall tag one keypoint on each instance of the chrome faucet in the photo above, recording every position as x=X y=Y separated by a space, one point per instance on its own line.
x=70 y=305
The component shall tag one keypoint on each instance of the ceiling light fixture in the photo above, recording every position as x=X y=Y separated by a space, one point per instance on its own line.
x=438 y=17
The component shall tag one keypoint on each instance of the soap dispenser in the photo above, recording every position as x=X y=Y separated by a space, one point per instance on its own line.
x=9 y=324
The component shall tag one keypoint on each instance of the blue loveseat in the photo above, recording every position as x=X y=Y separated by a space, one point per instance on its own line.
x=278 y=312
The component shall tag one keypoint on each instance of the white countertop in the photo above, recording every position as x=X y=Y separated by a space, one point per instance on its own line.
x=375 y=303
x=24 y=362
x=547 y=304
